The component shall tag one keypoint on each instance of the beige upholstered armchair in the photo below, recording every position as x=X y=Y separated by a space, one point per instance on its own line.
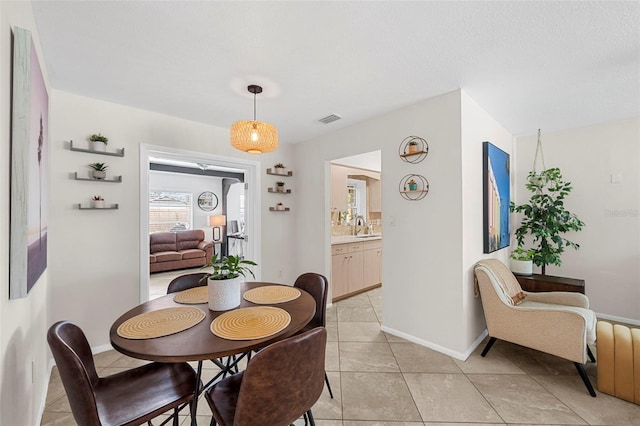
x=558 y=323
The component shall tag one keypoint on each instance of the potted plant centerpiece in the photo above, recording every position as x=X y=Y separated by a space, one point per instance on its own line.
x=98 y=170
x=546 y=219
x=279 y=169
x=412 y=146
x=280 y=186
x=224 y=282
x=413 y=185
x=99 y=142
x=521 y=261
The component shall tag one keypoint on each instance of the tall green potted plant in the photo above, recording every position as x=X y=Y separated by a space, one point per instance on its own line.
x=546 y=219
x=224 y=282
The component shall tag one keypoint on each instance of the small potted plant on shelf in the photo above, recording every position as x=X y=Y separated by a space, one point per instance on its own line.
x=97 y=202
x=521 y=261
x=99 y=142
x=279 y=169
x=280 y=186
x=98 y=170
x=412 y=147
x=412 y=185
x=224 y=282
x=280 y=206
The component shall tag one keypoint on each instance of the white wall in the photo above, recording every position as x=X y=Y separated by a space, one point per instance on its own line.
x=196 y=185
x=609 y=255
x=477 y=127
x=23 y=322
x=422 y=239
x=94 y=271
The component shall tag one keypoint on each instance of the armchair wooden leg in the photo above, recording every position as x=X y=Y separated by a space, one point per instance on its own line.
x=486 y=349
x=590 y=354
x=585 y=379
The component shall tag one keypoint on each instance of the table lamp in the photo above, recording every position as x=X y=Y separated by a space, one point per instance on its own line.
x=217 y=221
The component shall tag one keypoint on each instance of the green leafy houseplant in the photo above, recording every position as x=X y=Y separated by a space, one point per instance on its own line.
x=228 y=268
x=522 y=255
x=99 y=167
x=99 y=138
x=545 y=217
x=279 y=166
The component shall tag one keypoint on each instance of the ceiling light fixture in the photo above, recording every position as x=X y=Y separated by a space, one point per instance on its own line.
x=254 y=137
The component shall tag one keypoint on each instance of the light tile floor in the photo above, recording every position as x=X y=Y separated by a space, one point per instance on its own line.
x=382 y=380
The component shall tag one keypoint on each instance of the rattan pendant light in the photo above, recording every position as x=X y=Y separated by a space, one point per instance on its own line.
x=252 y=136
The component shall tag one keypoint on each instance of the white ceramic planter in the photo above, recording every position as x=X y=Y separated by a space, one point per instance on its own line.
x=280 y=170
x=224 y=294
x=99 y=146
x=98 y=174
x=521 y=267
x=97 y=204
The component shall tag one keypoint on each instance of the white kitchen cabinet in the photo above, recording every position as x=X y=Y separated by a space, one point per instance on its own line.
x=355 y=267
x=372 y=263
x=339 y=188
x=375 y=195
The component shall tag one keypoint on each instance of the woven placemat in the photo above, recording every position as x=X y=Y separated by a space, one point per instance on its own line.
x=193 y=296
x=271 y=294
x=162 y=322
x=250 y=323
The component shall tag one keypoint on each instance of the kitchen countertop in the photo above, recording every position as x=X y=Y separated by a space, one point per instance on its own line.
x=346 y=239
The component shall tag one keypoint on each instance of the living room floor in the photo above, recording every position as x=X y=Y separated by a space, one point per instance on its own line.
x=382 y=380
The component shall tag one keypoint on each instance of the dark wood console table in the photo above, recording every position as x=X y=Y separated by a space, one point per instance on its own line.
x=537 y=282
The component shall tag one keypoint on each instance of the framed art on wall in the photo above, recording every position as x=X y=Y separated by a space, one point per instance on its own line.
x=496 y=196
x=29 y=168
x=207 y=201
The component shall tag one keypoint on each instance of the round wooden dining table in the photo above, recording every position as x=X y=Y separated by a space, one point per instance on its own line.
x=198 y=342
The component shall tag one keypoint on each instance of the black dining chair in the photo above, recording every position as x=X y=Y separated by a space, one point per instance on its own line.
x=279 y=385
x=131 y=397
x=185 y=282
x=318 y=287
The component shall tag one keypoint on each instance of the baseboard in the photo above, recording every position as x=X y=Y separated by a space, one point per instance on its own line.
x=462 y=356
x=618 y=319
x=99 y=349
x=43 y=399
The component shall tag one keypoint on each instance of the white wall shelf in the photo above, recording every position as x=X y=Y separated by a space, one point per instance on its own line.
x=116 y=179
x=110 y=207
x=288 y=174
x=275 y=191
x=118 y=153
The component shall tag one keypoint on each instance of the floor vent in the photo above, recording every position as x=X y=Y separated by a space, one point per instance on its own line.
x=330 y=118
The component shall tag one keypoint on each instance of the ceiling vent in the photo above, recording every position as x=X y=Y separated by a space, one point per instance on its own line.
x=330 y=118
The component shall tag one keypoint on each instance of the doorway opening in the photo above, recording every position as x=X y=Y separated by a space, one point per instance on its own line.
x=184 y=190
x=356 y=225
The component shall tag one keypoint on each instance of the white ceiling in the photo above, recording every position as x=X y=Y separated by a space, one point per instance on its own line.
x=550 y=65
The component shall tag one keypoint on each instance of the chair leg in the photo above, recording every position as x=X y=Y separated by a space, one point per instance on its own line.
x=490 y=343
x=326 y=380
x=585 y=379
x=310 y=416
x=590 y=354
x=175 y=417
